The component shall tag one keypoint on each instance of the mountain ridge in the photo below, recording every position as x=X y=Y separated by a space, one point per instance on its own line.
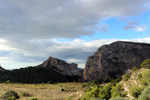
x=115 y=59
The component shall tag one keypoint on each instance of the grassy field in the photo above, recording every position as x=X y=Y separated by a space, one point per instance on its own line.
x=58 y=91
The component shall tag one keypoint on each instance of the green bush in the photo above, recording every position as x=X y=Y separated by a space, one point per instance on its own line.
x=11 y=98
x=144 y=78
x=10 y=93
x=139 y=76
x=115 y=81
x=135 y=69
x=34 y=98
x=26 y=94
x=119 y=98
x=92 y=94
x=135 y=91
x=104 y=92
x=87 y=90
x=7 y=82
x=146 y=63
x=145 y=95
x=87 y=84
x=117 y=90
x=126 y=77
x=124 y=94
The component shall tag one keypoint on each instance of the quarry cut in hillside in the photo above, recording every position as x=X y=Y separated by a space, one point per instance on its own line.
x=116 y=59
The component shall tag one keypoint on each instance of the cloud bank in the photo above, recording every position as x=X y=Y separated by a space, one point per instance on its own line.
x=31 y=30
x=62 y=18
x=71 y=51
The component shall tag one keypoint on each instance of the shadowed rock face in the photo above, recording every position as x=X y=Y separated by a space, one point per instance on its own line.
x=116 y=59
x=62 y=67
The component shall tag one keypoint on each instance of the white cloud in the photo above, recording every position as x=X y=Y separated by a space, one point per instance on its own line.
x=141 y=28
x=62 y=18
x=36 y=51
x=135 y=26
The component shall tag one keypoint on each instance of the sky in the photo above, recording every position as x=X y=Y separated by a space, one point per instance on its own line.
x=71 y=30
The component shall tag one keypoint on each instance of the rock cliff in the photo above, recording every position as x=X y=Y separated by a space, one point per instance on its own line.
x=116 y=59
x=62 y=67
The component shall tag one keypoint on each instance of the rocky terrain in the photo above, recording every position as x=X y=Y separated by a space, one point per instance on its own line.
x=116 y=59
x=62 y=67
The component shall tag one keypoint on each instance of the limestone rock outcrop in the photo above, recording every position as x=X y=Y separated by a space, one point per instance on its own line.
x=116 y=59
x=62 y=67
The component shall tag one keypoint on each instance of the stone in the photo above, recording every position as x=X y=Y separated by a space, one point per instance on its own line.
x=114 y=60
x=62 y=67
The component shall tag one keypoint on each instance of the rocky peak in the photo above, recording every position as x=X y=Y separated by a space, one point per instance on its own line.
x=62 y=67
x=116 y=59
x=1 y=68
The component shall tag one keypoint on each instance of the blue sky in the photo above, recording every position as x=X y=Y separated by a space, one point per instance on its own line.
x=72 y=30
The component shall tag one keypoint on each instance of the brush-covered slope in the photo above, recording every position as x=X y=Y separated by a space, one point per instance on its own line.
x=132 y=86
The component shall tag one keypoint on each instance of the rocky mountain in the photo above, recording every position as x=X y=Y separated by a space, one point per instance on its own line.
x=116 y=59
x=1 y=68
x=62 y=67
x=50 y=71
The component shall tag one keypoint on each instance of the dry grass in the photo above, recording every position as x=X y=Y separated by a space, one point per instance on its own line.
x=46 y=91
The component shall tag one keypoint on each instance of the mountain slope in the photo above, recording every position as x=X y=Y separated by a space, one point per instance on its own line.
x=52 y=70
x=116 y=59
x=61 y=67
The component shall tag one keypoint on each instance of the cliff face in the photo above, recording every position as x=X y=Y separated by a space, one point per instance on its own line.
x=116 y=59
x=62 y=67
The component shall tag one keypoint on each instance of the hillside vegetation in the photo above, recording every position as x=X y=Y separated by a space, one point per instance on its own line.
x=35 y=75
x=135 y=85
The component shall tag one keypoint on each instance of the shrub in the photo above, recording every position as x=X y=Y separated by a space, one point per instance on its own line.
x=145 y=95
x=146 y=63
x=11 y=98
x=126 y=77
x=87 y=90
x=92 y=94
x=134 y=69
x=144 y=78
x=7 y=82
x=117 y=90
x=135 y=91
x=115 y=81
x=34 y=98
x=104 y=93
x=143 y=82
x=124 y=94
x=139 y=76
x=10 y=94
x=50 y=82
x=26 y=94
x=119 y=98
x=88 y=84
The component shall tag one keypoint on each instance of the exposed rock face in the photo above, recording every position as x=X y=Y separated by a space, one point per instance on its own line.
x=116 y=59
x=62 y=67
